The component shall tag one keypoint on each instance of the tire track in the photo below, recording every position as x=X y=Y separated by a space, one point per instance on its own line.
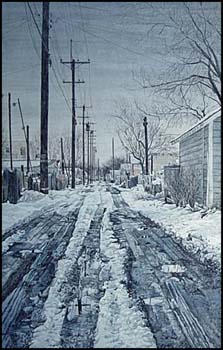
x=26 y=285
x=163 y=278
x=79 y=325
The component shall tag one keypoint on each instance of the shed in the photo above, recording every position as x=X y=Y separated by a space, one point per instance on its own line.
x=200 y=148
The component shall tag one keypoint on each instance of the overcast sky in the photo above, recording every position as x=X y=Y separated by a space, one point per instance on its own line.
x=106 y=33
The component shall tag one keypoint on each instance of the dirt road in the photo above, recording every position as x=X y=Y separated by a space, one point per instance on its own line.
x=51 y=281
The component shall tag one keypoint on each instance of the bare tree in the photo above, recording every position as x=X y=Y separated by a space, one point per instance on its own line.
x=35 y=147
x=185 y=187
x=130 y=131
x=4 y=138
x=190 y=38
x=55 y=147
x=117 y=163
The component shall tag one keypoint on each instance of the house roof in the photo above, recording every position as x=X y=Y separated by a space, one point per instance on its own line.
x=206 y=120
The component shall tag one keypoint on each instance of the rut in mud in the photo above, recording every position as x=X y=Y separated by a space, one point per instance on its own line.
x=179 y=295
x=28 y=270
x=78 y=330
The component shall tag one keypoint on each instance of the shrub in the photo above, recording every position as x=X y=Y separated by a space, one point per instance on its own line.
x=185 y=187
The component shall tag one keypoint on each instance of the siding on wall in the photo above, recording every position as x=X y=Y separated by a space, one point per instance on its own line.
x=217 y=161
x=193 y=152
x=191 y=156
x=205 y=160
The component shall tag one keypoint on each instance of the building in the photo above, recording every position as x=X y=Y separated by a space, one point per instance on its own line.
x=19 y=150
x=158 y=160
x=200 y=149
x=19 y=156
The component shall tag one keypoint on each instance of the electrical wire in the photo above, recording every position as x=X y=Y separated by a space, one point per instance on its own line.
x=21 y=70
x=53 y=69
x=110 y=41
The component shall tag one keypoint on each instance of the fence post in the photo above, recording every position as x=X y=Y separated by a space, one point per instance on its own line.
x=30 y=183
x=13 y=187
x=23 y=176
x=5 y=185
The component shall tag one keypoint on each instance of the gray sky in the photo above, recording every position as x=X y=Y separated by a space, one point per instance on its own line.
x=106 y=33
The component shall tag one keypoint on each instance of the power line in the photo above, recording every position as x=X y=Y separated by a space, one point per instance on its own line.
x=21 y=70
x=35 y=21
x=85 y=37
x=53 y=69
x=87 y=50
x=110 y=13
x=15 y=27
x=29 y=28
x=109 y=41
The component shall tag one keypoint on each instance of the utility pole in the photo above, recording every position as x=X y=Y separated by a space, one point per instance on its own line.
x=98 y=170
x=83 y=117
x=151 y=168
x=91 y=155
x=69 y=170
x=24 y=130
x=94 y=160
x=145 y=124
x=44 y=99
x=88 y=150
x=27 y=148
x=62 y=155
x=73 y=64
x=113 y=159
x=23 y=125
x=10 y=129
x=83 y=145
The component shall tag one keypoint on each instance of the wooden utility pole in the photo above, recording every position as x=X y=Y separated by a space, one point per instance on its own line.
x=27 y=142
x=74 y=122
x=73 y=64
x=10 y=129
x=94 y=160
x=151 y=168
x=62 y=155
x=83 y=117
x=113 y=159
x=145 y=124
x=44 y=100
x=98 y=170
x=27 y=148
x=88 y=151
x=69 y=171
x=83 y=145
x=91 y=155
x=23 y=125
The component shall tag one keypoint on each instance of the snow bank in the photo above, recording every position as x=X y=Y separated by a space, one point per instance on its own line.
x=32 y=203
x=120 y=323
x=47 y=335
x=31 y=196
x=205 y=232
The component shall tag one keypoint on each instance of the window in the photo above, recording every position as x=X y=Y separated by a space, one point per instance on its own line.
x=7 y=149
x=22 y=151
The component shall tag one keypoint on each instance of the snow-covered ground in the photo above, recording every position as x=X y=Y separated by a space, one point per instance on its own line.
x=204 y=233
x=120 y=323
x=47 y=335
x=33 y=203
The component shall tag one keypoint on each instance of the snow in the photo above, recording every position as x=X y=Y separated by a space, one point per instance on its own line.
x=120 y=323
x=32 y=203
x=157 y=182
x=205 y=232
x=47 y=335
